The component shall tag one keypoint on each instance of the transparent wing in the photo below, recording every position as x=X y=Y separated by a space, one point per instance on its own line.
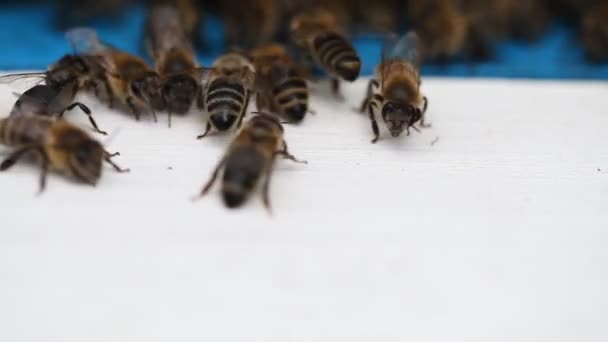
x=30 y=79
x=85 y=41
x=405 y=47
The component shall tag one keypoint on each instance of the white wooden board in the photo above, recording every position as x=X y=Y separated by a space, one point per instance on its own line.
x=498 y=232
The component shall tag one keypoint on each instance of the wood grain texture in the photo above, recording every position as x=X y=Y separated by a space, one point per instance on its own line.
x=497 y=232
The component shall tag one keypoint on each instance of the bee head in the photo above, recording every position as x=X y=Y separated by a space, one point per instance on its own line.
x=399 y=117
x=178 y=92
x=70 y=68
x=148 y=89
x=84 y=155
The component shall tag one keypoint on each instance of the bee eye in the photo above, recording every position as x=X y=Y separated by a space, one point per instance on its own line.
x=388 y=108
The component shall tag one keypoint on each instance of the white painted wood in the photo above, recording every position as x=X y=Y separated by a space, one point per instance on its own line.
x=498 y=232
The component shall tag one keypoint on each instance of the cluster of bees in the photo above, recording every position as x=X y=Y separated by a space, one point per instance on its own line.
x=177 y=84
x=272 y=72
x=448 y=28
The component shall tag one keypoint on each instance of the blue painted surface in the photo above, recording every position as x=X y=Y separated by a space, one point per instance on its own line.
x=28 y=40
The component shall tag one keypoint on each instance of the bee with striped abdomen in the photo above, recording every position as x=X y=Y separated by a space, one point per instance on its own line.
x=131 y=81
x=395 y=90
x=250 y=158
x=170 y=47
x=317 y=33
x=59 y=146
x=226 y=93
x=49 y=101
x=280 y=85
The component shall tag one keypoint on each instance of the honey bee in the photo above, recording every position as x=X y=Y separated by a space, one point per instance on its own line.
x=318 y=34
x=441 y=25
x=59 y=146
x=170 y=47
x=45 y=100
x=130 y=80
x=280 y=85
x=191 y=17
x=526 y=19
x=380 y=16
x=86 y=71
x=250 y=23
x=594 y=30
x=226 y=93
x=487 y=22
x=395 y=90
x=189 y=12
x=250 y=158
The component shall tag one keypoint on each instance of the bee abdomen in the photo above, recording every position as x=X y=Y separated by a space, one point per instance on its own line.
x=336 y=54
x=19 y=131
x=243 y=170
x=225 y=102
x=292 y=97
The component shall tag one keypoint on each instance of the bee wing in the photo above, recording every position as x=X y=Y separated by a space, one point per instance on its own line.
x=85 y=41
x=31 y=79
x=6 y=79
x=405 y=47
x=165 y=30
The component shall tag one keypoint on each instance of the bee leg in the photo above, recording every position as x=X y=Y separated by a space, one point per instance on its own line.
x=244 y=113
x=284 y=152
x=133 y=108
x=207 y=130
x=44 y=170
x=259 y=103
x=96 y=92
x=374 y=104
x=370 y=92
x=266 y=189
x=108 y=91
x=87 y=111
x=14 y=157
x=425 y=106
x=108 y=158
x=111 y=101
x=212 y=180
x=335 y=89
